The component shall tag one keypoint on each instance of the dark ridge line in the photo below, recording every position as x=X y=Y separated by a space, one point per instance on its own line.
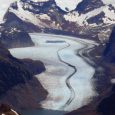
x=68 y=78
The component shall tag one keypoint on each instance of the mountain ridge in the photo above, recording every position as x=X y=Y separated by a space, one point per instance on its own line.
x=85 y=19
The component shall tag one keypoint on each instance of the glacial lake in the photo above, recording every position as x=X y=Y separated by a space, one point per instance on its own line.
x=42 y=112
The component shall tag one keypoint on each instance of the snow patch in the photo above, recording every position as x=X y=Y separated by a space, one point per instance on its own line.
x=82 y=19
x=109 y=16
x=108 y=1
x=27 y=16
x=44 y=16
x=39 y=0
x=67 y=5
x=3 y=7
x=113 y=81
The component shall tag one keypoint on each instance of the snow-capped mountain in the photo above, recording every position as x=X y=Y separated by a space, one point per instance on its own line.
x=77 y=18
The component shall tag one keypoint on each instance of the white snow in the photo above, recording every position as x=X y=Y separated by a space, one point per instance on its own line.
x=82 y=19
x=69 y=4
x=66 y=3
x=32 y=18
x=44 y=16
x=3 y=7
x=72 y=17
x=24 y=14
x=113 y=81
x=14 y=112
x=109 y=16
x=39 y=0
x=108 y=1
x=53 y=80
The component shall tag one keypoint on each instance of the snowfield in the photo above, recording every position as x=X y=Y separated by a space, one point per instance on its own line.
x=3 y=8
x=57 y=53
x=69 y=4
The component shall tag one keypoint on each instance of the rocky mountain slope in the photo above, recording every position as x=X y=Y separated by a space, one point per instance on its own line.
x=14 y=36
x=109 y=52
x=88 y=18
x=105 y=103
x=6 y=110
x=17 y=84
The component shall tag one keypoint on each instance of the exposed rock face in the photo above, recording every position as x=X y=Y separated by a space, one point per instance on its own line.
x=6 y=110
x=12 y=71
x=13 y=37
x=86 y=6
x=109 y=52
x=18 y=87
x=35 y=67
x=25 y=96
x=107 y=105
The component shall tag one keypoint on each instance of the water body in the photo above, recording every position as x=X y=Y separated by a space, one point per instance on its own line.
x=42 y=112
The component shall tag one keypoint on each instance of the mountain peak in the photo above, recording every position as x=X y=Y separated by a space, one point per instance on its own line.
x=78 y=17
